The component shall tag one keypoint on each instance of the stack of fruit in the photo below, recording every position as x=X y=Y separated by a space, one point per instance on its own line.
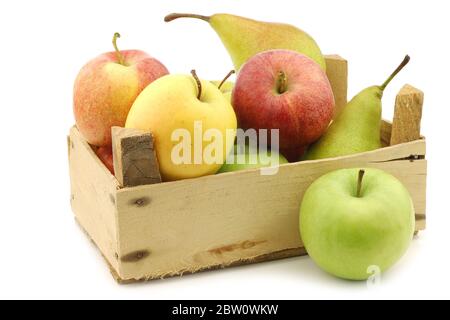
x=281 y=85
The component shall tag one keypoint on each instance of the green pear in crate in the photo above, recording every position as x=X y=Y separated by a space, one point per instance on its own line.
x=244 y=38
x=357 y=128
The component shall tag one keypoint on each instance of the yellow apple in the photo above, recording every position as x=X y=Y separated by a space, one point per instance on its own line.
x=189 y=119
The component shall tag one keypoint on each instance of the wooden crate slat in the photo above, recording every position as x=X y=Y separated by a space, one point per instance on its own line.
x=93 y=192
x=214 y=221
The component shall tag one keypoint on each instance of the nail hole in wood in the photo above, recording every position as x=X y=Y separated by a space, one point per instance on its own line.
x=112 y=199
x=135 y=256
x=140 y=202
x=116 y=255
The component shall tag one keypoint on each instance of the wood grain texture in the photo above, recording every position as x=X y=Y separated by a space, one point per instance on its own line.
x=337 y=72
x=93 y=192
x=134 y=157
x=407 y=115
x=197 y=224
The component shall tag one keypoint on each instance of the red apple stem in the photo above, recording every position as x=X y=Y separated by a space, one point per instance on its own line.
x=174 y=16
x=281 y=83
x=199 y=84
x=359 y=186
x=392 y=76
x=226 y=78
x=118 y=53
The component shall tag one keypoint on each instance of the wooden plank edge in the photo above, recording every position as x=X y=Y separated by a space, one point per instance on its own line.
x=419 y=144
x=75 y=133
x=277 y=255
x=111 y=268
x=134 y=157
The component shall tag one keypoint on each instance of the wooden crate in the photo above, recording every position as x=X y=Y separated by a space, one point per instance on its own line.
x=173 y=228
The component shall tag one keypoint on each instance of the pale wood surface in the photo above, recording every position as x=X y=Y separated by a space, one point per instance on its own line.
x=407 y=115
x=134 y=157
x=196 y=224
x=93 y=192
x=337 y=72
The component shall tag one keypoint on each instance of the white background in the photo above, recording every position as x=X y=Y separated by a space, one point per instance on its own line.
x=43 y=44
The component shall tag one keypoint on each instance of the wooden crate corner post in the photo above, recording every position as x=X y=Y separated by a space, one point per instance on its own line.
x=407 y=115
x=337 y=73
x=406 y=127
x=134 y=157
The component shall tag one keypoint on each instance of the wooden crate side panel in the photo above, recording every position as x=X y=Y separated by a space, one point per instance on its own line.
x=197 y=224
x=93 y=191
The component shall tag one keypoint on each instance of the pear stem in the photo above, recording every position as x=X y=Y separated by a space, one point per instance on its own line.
x=199 y=84
x=359 y=186
x=173 y=16
x=226 y=78
x=399 y=68
x=118 y=53
x=281 y=82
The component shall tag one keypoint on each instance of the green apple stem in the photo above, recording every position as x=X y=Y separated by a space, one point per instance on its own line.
x=199 y=84
x=359 y=186
x=281 y=83
x=392 y=76
x=174 y=16
x=118 y=53
x=226 y=78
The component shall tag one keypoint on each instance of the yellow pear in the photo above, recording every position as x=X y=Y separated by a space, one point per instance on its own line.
x=244 y=38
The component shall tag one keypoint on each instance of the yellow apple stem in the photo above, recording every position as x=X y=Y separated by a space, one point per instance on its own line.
x=118 y=53
x=199 y=84
x=174 y=16
x=226 y=78
x=399 y=68
x=359 y=186
x=281 y=83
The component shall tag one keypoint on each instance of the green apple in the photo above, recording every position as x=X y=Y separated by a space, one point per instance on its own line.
x=353 y=220
x=248 y=163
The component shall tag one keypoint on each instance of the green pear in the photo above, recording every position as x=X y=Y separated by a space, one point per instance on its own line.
x=357 y=128
x=244 y=38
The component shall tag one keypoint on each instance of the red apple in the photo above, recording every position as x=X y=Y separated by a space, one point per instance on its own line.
x=285 y=90
x=106 y=156
x=106 y=88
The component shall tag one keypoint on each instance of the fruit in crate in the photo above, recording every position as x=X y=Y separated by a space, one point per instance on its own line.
x=357 y=128
x=226 y=87
x=251 y=159
x=243 y=37
x=355 y=222
x=106 y=156
x=107 y=86
x=179 y=110
x=285 y=90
